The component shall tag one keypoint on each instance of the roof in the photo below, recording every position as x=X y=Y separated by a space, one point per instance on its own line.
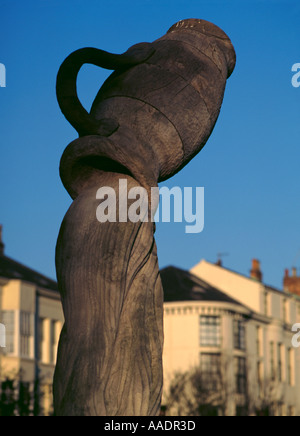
x=181 y=285
x=10 y=269
x=267 y=287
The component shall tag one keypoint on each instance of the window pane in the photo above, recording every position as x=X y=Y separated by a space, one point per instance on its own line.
x=240 y=375
x=210 y=331
x=239 y=335
x=26 y=331
x=25 y=346
x=279 y=364
x=25 y=327
x=272 y=361
x=41 y=337
x=53 y=341
x=8 y=320
x=211 y=370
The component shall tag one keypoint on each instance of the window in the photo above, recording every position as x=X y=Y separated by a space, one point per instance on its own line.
x=272 y=362
x=240 y=375
x=239 y=335
x=53 y=341
x=8 y=320
x=25 y=333
x=41 y=339
x=280 y=367
x=210 y=331
x=25 y=346
x=211 y=370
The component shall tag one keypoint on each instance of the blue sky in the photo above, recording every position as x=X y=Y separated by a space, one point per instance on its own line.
x=249 y=167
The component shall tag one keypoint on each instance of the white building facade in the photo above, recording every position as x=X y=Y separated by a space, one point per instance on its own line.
x=32 y=318
x=238 y=333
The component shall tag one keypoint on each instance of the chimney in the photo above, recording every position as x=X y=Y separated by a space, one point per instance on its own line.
x=255 y=272
x=291 y=283
x=219 y=262
x=2 y=246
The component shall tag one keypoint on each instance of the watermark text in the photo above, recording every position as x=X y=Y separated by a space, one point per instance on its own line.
x=2 y=76
x=296 y=337
x=296 y=76
x=157 y=205
x=2 y=336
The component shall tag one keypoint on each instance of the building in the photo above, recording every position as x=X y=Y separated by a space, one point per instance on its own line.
x=234 y=330
x=31 y=313
x=238 y=332
x=291 y=284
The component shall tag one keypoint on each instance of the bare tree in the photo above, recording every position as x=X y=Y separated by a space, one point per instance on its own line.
x=199 y=393
x=20 y=398
x=269 y=398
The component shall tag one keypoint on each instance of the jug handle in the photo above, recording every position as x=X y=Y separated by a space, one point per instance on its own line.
x=66 y=85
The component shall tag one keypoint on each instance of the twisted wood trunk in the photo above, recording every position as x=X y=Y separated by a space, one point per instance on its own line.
x=110 y=354
x=149 y=119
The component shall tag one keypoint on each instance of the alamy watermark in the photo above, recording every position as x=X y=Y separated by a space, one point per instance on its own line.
x=138 y=204
x=296 y=337
x=296 y=76
x=2 y=76
x=2 y=336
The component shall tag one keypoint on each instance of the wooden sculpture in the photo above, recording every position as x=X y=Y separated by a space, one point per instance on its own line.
x=149 y=119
